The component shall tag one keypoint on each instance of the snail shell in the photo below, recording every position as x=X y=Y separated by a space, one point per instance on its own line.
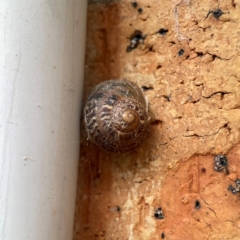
x=115 y=116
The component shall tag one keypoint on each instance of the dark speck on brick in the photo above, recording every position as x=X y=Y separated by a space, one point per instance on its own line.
x=134 y=4
x=162 y=31
x=181 y=52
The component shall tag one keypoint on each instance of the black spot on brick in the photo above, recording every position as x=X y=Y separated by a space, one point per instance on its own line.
x=163 y=31
x=135 y=39
x=197 y=204
x=217 y=13
x=180 y=52
x=200 y=54
x=128 y=49
x=145 y=88
x=220 y=163
x=134 y=4
x=158 y=213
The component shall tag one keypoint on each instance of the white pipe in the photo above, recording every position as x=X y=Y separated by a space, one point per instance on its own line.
x=42 y=46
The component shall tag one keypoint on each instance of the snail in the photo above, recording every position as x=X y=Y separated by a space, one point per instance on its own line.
x=115 y=116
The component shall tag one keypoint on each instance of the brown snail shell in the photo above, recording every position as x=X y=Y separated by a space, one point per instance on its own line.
x=115 y=116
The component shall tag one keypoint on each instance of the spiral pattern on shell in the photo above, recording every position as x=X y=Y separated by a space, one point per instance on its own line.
x=115 y=116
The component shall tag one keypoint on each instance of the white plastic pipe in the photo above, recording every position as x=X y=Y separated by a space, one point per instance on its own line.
x=42 y=46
